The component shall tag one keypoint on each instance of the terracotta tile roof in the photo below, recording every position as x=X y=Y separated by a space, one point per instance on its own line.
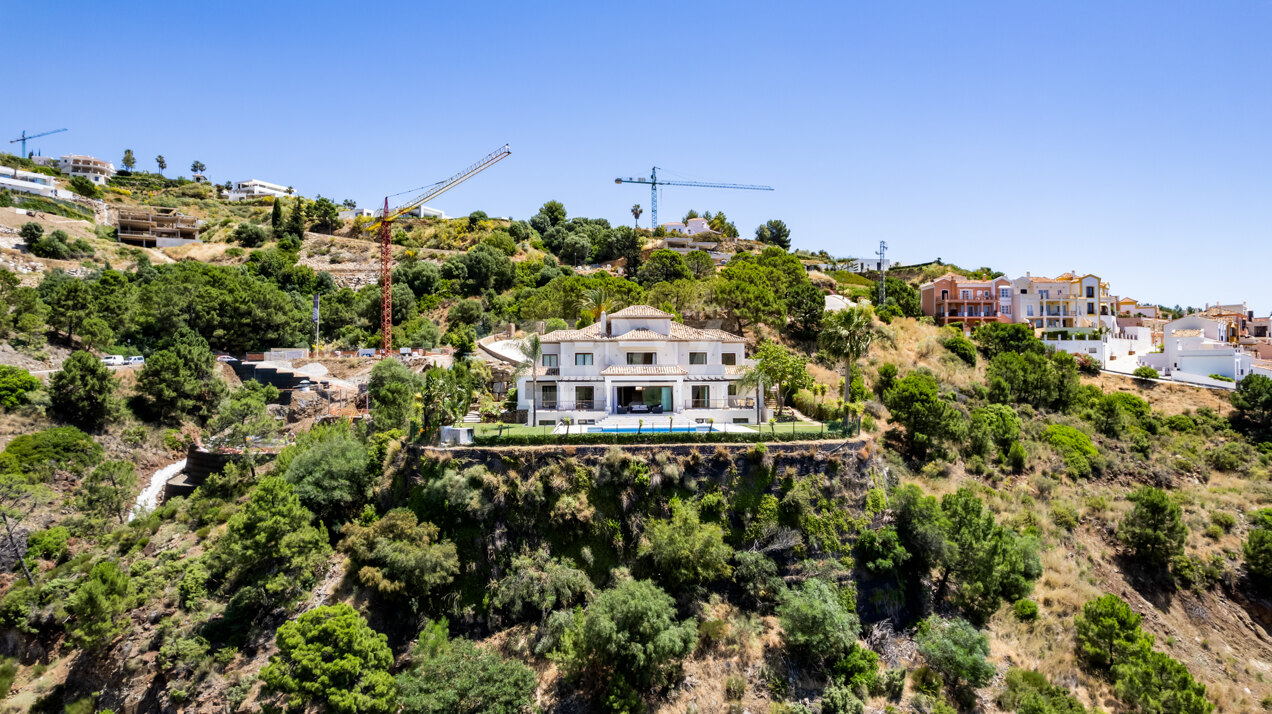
x=591 y=332
x=640 y=334
x=643 y=370
x=679 y=333
x=684 y=332
x=642 y=311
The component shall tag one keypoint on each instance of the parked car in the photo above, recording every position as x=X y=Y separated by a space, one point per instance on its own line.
x=136 y=359
x=113 y=360
x=226 y=358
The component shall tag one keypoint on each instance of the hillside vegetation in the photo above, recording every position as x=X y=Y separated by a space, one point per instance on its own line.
x=1008 y=533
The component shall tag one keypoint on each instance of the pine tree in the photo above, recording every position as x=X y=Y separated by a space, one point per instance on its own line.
x=276 y=217
x=129 y=160
x=296 y=219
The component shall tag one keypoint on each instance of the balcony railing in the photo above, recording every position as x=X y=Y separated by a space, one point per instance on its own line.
x=583 y=405
x=729 y=403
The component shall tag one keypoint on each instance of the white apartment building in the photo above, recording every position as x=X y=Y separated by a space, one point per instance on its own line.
x=873 y=265
x=29 y=182
x=350 y=213
x=95 y=170
x=637 y=366
x=254 y=188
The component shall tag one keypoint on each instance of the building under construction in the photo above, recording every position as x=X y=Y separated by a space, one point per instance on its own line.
x=156 y=227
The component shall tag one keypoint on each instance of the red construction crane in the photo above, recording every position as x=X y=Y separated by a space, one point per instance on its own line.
x=385 y=226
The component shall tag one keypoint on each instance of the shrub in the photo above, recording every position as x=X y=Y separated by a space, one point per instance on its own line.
x=49 y=544
x=1029 y=692
x=82 y=392
x=1222 y=378
x=461 y=678
x=1016 y=457
x=1257 y=548
x=1154 y=530
x=887 y=375
x=1026 y=610
x=1145 y=372
x=398 y=556
x=818 y=625
x=684 y=551
x=16 y=386
x=540 y=584
x=331 y=658
x=1079 y=454
x=249 y=235
x=955 y=649
x=840 y=700
x=40 y=455
x=1065 y=516
x=756 y=574
x=961 y=347
x=631 y=631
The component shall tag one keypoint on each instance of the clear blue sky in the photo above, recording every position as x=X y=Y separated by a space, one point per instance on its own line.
x=1128 y=139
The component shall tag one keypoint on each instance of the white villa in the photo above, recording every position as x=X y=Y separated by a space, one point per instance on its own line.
x=93 y=169
x=29 y=182
x=1194 y=348
x=639 y=366
x=254 y=188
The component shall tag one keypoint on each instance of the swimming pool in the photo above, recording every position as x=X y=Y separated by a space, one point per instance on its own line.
x=649 y=429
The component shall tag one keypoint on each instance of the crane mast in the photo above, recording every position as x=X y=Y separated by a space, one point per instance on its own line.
x=654 y=182
x=385 y=227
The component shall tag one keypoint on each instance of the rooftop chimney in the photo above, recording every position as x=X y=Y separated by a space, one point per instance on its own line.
x=605 y=328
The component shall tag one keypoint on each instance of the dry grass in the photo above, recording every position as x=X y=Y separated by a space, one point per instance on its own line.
x=909 y=344
x=1166 y=399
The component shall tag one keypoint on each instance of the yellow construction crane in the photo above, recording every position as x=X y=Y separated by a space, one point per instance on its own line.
x=385 y=225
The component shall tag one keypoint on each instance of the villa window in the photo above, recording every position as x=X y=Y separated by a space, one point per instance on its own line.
x=697 y=358
x=966 y=294
x=1029 y=310
x=1090 y=308
x=733 y=389
x=729 y=358
x=549 y=399
x=1004 y=292
x=584 y=397
x=583 y=359
x=1090 y=291
x=945 y=294
x=700 y=396
x=640 y=358
x=550 y=360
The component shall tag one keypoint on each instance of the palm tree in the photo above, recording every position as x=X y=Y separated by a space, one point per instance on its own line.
x=162 y=162
x=636 y=211
x=846 y=336
x=598 y=300
x=532 y=348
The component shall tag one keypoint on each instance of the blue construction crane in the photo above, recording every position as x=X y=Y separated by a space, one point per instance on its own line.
x=654 y=182
x=26 y=136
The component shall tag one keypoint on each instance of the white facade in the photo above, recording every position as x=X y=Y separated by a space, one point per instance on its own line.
x=692 y=227
x=355 y=213
x=872 y=265
x=95 y=170
x=254 y=188
x=639 y=364
x=29 y=182
x=1194 y=346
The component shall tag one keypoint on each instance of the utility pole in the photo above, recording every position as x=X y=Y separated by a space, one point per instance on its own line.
x=883 y=269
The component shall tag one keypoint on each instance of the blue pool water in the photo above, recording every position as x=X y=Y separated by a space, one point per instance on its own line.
x=646 y=430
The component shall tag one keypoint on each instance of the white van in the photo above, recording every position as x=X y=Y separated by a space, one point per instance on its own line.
x=113 y=360
x=136 y=360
